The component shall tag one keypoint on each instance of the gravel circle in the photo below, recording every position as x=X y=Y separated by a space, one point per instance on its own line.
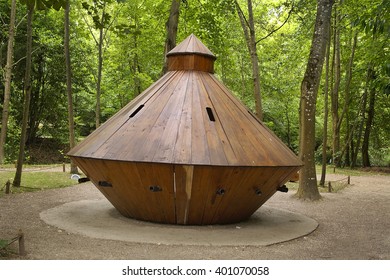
x=353 y=224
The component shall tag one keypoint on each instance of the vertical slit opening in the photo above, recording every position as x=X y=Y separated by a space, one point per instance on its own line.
x=210 y=114
x=137 y=110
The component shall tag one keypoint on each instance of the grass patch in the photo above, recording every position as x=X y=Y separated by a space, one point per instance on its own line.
x=36 y=181
x=336 y=186
x=5 y=251
x=354 y=172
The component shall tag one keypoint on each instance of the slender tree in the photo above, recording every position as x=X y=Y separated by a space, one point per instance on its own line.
x=72 y=138
x=336 y=123
x=369 y=120
x=27 y=96
x=309 y=88
x=248 y=26
x=326 y=116
x=362 y=114
x=347 y=102
x=7 y=83
x=171 y=29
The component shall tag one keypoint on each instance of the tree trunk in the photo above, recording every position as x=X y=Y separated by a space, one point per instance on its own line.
x=100 y=69
x=99 y=79
x=369 y=121
x=250 y=38
x=255 y=63
x=309 y=88
x=363 y=113
x=171 y=27
x=335 y=93
x=136 y=67
x=27 y=97
x=347 y=101
x=72 y=138
x=288 y=124
x=326 y=115
x=348 y=79
x=8 y=77
x=36 y=99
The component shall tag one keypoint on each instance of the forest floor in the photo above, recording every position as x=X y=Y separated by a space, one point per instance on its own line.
x=354 y=224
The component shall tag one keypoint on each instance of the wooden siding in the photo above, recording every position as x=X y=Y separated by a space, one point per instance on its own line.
x=188 y=195
x=173 y=125
x=191 y=62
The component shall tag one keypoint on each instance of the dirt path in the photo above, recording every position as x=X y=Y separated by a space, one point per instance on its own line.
x=354 y=224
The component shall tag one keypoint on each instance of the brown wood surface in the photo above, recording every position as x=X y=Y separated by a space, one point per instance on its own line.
x=174 y=127
x=191 y=45
x=191 y=62
x=188 y=136
x=189 y=193
x=130 y=192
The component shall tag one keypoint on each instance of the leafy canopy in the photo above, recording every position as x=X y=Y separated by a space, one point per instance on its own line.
x=44 y=4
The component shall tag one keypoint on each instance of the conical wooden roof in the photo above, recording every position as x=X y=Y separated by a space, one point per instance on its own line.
x=191 y=45
x=187 y=117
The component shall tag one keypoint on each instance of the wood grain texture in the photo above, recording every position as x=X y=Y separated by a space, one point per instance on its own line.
x=186 y=151
x=191 y=45
x=173 y=126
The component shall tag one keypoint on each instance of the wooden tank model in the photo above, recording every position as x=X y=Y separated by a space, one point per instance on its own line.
x=186 y=151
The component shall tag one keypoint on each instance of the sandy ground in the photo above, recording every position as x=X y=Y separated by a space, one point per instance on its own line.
x=353 y=224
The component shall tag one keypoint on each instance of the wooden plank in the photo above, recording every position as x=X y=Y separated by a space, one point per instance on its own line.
x=232 y=127
x=125 y=139
x=90 y=146
x=129 y=184
x=220 y=189
x=130 y=192
x=279 y=179
x=200 y=193
x=182 y=152
x=183 y=190
x=96 y=171
x=170 y=117
x=147 y=134
x=205 y=201
x=199 y=145
x=162 y=203
x=224 y=141
x=215 y=146
x=165 y=175
x=135 y=142
x=240 y=184
x=268 y=184
x=236 y=128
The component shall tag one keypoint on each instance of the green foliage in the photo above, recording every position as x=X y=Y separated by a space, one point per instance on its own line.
x=3 y=243
x=44 y=4
x=133 y=60
x=100 y=19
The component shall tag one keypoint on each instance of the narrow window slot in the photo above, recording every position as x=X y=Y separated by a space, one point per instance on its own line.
x=105 y=184
x=136 y=111
x=210 y=114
